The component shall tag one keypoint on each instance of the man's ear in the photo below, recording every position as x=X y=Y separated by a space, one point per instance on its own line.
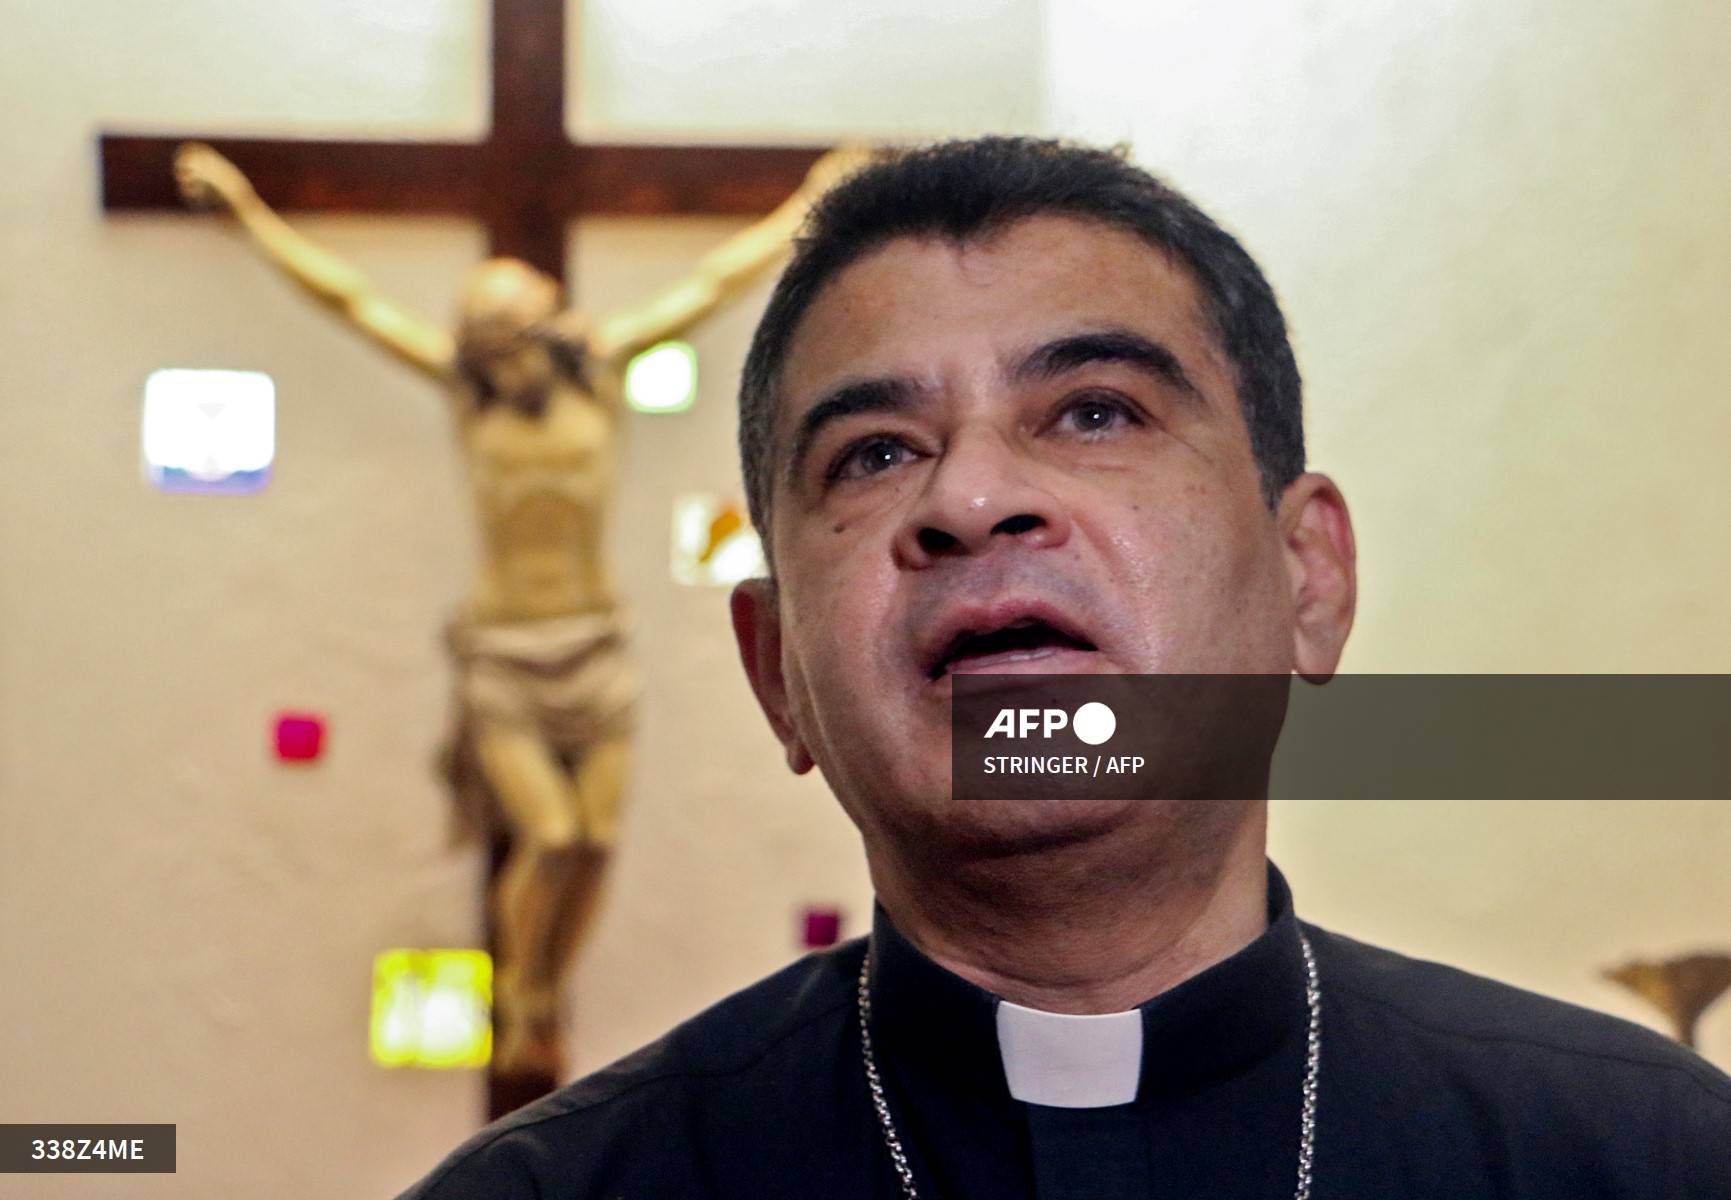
x=1322 y=564
x=757 y=629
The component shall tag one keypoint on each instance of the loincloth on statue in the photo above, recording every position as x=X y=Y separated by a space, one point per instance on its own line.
x=568 y=679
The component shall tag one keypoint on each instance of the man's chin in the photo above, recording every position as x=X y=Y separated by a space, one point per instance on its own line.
x=1006 y=828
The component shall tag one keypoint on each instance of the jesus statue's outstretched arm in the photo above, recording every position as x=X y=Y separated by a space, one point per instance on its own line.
x=207 y=178
x=724 y=272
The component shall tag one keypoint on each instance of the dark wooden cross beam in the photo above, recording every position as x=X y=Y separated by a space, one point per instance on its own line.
x=526 y=180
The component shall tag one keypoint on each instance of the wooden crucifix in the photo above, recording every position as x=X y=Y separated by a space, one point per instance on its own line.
x=544 y=691
x=526 y=180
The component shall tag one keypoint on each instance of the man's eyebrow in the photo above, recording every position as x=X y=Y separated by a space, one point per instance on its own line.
x=890 y=394
x=1135 y=350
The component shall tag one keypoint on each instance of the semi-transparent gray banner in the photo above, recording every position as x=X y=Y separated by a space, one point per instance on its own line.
x=1389 y=737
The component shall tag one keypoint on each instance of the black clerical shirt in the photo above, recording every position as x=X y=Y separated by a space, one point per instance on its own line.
x=1434 y=1083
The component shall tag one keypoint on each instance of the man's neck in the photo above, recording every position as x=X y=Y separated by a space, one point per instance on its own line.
x=1088 y=927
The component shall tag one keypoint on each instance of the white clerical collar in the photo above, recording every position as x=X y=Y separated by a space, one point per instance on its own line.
x=1070 y=1061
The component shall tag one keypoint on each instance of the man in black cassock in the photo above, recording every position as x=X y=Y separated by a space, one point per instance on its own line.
x=1017 y=407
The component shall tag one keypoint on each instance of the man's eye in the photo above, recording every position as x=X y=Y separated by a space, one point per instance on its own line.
x=871 y=457
x=1097 y=414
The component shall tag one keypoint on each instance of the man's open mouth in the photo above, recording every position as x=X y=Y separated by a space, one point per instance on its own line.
x=1017 y=641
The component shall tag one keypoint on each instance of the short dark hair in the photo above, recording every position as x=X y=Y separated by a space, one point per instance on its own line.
x=968 y=189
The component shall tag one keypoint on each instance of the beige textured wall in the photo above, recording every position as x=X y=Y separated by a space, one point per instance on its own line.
x=1501 y=238
x=1504 y=258
x=186 y=929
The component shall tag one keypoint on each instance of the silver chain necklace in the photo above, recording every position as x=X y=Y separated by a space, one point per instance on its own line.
x=1307 y=1114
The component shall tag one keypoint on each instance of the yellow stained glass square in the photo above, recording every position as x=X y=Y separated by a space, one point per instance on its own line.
x=432 y=1008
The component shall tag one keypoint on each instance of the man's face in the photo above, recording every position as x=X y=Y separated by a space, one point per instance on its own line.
x=1019 y=454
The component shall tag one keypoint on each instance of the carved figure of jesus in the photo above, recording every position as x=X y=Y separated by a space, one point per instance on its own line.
x=544 y=691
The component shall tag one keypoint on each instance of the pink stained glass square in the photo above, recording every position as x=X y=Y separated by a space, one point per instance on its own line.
x=300 y=737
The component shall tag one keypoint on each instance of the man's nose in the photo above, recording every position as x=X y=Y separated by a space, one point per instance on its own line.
x=983 y=494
